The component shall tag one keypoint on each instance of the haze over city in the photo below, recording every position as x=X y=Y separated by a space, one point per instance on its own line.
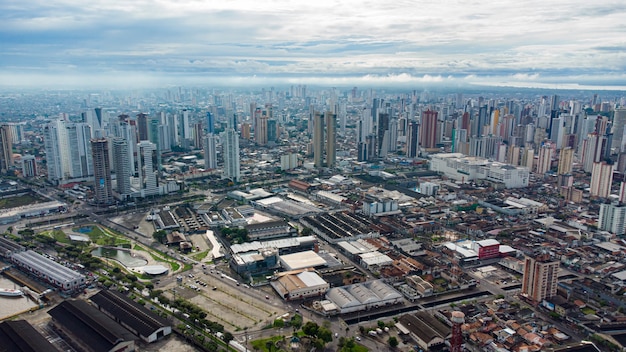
x=548 y=44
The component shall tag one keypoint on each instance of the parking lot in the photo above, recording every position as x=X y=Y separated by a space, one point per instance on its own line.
x=232 y=304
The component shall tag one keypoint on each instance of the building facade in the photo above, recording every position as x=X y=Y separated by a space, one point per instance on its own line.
x=103 y=189
x=540 y=277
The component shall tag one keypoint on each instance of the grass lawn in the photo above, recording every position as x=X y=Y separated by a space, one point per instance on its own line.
x=101 y=236
x=159 y=257
x=588 y=310
x=200 y=255
x=60 y=236
x=260 y=345
x=18 y=201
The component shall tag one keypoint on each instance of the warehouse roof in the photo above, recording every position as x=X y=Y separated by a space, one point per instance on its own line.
x=20 y=336
x=90 y=325
x=129 y=312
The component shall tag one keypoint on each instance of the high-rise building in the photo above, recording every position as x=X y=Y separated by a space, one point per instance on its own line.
x=613 y=218
x=78 y=142
x=210 y=123
x=6 y=148
x=210 y=151
x=382 y=135
x=546 y=153
x=142 y=126
x=412 y=140
x=146 y=160
x=540 y=277
x=260 y=133
x=592 y=150
x=566 y=160
x=273 y=131
x=245 y=131
x=318 y=140
x=331 y=135
x=184 y=126
x=17 y=132
x=601 y=179
x=29 y=166
x=52 y=134
x=68 y=151
x=428 y=129
x=122 y=167
x=103 y=190
x=324 y=139
x=197 y=135
x=230 y=143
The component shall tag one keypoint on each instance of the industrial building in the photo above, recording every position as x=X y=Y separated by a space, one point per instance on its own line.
x=20 y=336
x=133 y=316
x=89 y=329
x=284 y=245
x=255 y=262
x=425 y=329
x=465 y=169
x=301 y=260
x=8 y=247
x=362 y=296
x=62 y=277
x=299 y=285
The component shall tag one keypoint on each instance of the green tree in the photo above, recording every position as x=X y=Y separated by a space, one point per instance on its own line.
x=381 y=324
x=227 y=337
x=306 y=231
x=325 y=334
x=296 y=321
x=160 y=236
x=310 y=328
x=392 y=341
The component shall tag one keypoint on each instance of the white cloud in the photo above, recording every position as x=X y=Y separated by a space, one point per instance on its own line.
x=401 y=41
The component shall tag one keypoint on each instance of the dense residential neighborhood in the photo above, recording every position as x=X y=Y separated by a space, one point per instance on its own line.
x=303 y=218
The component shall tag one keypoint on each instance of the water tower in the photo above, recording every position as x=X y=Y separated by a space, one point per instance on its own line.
x=456 y=341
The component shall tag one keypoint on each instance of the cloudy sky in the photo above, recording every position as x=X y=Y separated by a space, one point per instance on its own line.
x=537 y=43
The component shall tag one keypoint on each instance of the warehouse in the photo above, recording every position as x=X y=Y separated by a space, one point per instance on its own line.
x=299 y=285
x=131 y=315
x=64 y=278
x=89 y=329
x=20 y=336
x=362 y=296
x=301 y=260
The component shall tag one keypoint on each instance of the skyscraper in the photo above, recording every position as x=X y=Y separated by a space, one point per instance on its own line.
x=566 y=159
x=540 y=277
x=146 y=159
x=103 y=191
x=546 y=154
x=412 y=142
x=331 y=136
x=324 y=139
x=6 y=148
x=210 y=151
x=601 y=179
x=142 y=126
x=260 y=133
x=318 y=140
x=612 y=218
x=428 y=129
x=68 y=151
x=210 y=123
x=122 y=167
x=230 y=143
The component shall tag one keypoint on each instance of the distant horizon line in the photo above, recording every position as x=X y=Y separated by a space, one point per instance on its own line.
x=74 y=82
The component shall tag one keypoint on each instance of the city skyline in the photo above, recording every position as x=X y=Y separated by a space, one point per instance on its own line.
x=556 y=45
